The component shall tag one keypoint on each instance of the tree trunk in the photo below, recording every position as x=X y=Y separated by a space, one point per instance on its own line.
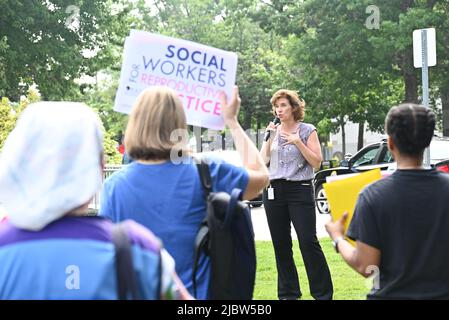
x=247 y=120
x=411 y=86
x=406 y=4
x=360 y=137
x=410 y=77
x=343 y=138
x=445 y=102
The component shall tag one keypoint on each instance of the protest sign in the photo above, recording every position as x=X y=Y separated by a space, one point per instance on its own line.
x=198 y=74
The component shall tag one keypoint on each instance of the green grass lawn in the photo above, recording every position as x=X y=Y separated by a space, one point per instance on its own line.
x=348 y=285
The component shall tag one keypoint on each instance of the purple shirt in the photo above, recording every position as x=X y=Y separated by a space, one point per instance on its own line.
x=74 y=258
x=287 y=162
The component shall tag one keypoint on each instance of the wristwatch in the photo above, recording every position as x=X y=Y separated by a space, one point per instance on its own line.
x=336 y=241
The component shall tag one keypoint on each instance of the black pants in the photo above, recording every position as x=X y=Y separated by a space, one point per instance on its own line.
x=294 y=202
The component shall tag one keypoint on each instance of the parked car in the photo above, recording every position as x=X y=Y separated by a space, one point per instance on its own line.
x=372 y=156
x=443 y=166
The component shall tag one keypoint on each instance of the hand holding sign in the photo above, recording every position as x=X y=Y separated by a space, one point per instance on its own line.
x=336 y=228
x=230 y=110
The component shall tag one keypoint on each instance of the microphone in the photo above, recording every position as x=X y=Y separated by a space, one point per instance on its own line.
x=267 y=134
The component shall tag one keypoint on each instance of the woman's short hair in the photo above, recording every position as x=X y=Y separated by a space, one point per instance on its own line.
x=156 y=115
x=411 y=127
x=298 y=105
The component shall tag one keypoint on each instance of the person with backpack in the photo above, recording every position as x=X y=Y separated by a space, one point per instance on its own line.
x=161 y=188
x=50 y=167
x=401 y=222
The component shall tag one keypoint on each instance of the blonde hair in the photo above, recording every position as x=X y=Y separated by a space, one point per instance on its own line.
x=156 y=115
x=298 y=105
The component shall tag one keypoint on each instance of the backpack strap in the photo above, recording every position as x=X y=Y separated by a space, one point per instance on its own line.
x=201 y=241
x=205 y=177
x=159 y=282
x=126 y=279
x=202 y=236
x=236 y=196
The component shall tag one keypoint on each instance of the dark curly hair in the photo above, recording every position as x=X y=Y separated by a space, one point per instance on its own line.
x=411 y=127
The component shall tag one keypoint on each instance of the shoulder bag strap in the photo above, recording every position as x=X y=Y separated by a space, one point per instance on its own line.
x=127 y=287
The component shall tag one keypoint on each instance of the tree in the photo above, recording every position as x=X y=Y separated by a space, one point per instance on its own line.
x=10 y=113
x=394 y=42
x=3 y=49
x=351 y=71
x=441 y=72
x=262 y=68
x=47 y=42
x=101 y=98
x=333 y=51
x=6 y=120
x=394 y=47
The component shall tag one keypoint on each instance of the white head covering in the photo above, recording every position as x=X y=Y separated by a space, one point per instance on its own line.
x=50 y=163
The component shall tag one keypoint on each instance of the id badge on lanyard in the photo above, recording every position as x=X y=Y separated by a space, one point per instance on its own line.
x=270 y=192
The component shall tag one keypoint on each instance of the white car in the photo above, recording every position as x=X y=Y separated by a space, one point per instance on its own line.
x=372 y=156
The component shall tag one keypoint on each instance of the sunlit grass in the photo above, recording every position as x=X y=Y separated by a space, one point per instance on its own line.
x=348 y=285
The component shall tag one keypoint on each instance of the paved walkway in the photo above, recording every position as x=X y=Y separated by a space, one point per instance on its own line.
x=262 y=232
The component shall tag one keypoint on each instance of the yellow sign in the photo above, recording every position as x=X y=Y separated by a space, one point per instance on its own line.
x=342 y=194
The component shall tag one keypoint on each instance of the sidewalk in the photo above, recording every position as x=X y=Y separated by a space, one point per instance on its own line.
x=262 y=232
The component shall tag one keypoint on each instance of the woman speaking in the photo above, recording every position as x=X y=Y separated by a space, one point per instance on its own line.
x=292 y=152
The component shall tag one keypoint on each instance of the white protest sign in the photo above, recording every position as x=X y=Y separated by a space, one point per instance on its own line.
x=418 y=49
x=198 y=74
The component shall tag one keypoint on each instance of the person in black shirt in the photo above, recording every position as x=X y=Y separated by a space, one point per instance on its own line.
x=401 y=222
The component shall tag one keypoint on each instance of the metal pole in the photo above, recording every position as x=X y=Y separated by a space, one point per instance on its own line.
x=425 y=86
x=197 y=135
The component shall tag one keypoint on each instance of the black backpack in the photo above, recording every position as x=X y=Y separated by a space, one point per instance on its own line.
x=226 y=235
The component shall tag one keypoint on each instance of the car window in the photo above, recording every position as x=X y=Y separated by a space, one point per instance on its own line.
x=387 y=157
x=365 y=158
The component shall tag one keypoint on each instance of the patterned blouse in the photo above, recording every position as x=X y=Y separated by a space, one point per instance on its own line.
x=287 y=162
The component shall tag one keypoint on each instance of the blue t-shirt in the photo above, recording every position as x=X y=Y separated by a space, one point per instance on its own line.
x=74 y=258
x=169 y=200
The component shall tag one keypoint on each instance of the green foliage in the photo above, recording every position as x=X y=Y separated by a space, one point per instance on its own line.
x=351 y=72
x=321 y=49
x=101 y=98
x=10 y=112
x=262 y=66
x=110 y=149
x=7 y=120
x=45 y=44
x=3 y=49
